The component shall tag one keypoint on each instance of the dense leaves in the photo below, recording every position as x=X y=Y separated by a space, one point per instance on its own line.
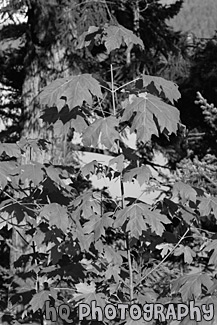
x=83 y=245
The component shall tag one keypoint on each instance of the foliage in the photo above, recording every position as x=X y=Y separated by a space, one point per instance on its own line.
x=198 y=17
x=48 y=23
x=85 y=246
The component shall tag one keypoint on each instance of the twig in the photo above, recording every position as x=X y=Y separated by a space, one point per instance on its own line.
x=163 y=260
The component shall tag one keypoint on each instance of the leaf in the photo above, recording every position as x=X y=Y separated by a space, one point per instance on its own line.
x=148 y=109
x=102 y=131
x=60 y=129
x=54 y=174
x=142 y=174
x=113 y=271
x=169 y=88
x=166 y=248
x=85 y=288
x=11 y=149
x=140 y=216
x=207 y=205
x=50 y=115
x=190 y=286
x=88 y=298
x=87 y=38
x=89 y=168
x=76 y=89
x=87 y=204
x=189 y=254
x=6 y=172
x=187 y=215
x=36 y=145
x=136 y=225
x=116 y=35
x=212 y=246
x=98 y=224
x=56 y=214
x=33 y=172
x=112 y=256
x=185 y=191
x=38 y=300
x=119 y=161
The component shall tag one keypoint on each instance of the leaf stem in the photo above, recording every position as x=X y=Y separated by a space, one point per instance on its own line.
x=126 y=84
x=113 y=91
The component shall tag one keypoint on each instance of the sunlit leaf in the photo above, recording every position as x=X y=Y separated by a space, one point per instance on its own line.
x=76 y=89
x=169 y=88
x=102 y=131
x=151 y=116
x=116 y=35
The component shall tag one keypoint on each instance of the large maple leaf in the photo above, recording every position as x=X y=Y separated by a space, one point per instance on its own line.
x=33 y=172
x=169 y=88
x=6 y=171
x=147 y=108
x=102 y=131
x=56 y=214
x=207 y=205
x=98 y=224
x=184 y=191
x=87 y=204
x=142 y=174
x=116 y=35
x=11 y=149
x=139 y=217
x=76 y=89
x=190 y=286
x=39 y=299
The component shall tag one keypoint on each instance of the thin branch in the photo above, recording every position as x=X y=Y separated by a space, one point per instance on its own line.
x=163 y=260
x=113 y=91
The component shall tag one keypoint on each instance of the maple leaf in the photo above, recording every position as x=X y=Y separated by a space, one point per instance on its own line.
x=56 y=214
x=139 y=216
x=102 y=131
x=166 y=248
x=136 y=225
x=212 y=246
x=60 y=129
x=116 y=35
x=50 y=115
x=119 y=161
x=185 y=191
x=169 y=88
x=6 y=172
x=11 y=149
x=86 y=39
x=148 y=108
x=89 y=168
x=113 y=271
x=37 y=145
x=38 y=300
x=189 y=254
x=33 y=172
x=87 y=204
x=190 y=286
x=112 y=256
x=142 y=174
x=207 y=205
x=54 y=174
x=76 y=89
x=89 y=297
x=98 y=224
x=85 y=288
